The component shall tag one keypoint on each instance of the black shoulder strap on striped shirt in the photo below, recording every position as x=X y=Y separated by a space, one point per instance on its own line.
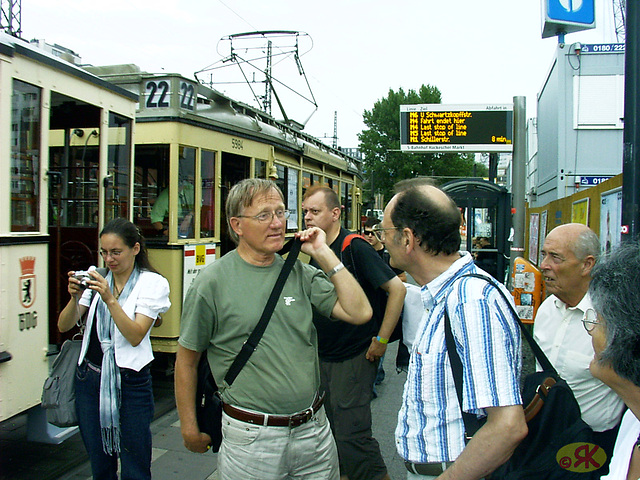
x=471 y=422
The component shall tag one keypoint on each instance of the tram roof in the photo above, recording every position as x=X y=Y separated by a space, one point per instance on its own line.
x=219 y=112
x=11 y=46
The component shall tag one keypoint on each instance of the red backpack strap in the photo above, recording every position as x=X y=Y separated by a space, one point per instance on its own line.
x=347 y=240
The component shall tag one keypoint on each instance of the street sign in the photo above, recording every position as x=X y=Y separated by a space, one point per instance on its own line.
x=602 y=48
x=592 y=180
x=567 y=16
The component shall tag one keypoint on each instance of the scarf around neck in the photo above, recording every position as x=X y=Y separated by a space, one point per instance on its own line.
x=110 y=373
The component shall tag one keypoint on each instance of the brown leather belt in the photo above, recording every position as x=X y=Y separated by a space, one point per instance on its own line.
x=430 y=469
x=290 y=421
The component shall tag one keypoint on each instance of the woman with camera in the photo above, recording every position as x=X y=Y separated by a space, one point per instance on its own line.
x=114 y=398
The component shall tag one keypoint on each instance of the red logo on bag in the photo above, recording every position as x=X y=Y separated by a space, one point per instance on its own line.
x=581 y=457
x=27 y=281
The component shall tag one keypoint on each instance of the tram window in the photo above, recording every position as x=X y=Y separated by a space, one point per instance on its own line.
x=186 y=191
x=118 y=166
x=25 y=157
x=208 y=211
x=346 y=205
x=260 y=169
x=308 y=179
x=151 y=175
x=288 y=182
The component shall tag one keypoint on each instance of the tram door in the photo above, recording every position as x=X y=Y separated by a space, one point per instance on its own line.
x=234 y=168
x=486 y=208
x=76 y=181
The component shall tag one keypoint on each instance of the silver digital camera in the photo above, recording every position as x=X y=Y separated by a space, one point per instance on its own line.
x=83 y=277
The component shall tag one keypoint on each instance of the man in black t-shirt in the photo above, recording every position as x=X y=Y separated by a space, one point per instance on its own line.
x=349 y=354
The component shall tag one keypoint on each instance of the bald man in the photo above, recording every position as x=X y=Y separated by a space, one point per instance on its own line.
x=569 y=253
x=421 y=231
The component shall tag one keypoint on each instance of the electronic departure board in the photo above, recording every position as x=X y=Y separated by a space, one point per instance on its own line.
x=434 y=127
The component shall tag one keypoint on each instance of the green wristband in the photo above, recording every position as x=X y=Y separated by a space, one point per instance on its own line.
x=381 y=340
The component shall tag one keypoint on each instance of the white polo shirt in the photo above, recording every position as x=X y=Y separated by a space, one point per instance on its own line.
x=559 y=331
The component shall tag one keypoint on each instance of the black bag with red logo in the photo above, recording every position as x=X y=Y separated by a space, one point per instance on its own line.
x=559 y=444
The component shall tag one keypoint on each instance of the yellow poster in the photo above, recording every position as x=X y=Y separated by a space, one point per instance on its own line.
x=580 y=211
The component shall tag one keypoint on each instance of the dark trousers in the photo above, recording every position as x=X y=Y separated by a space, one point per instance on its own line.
x=136 y=413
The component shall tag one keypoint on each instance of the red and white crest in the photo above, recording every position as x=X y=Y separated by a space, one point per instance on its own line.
x=27 y=290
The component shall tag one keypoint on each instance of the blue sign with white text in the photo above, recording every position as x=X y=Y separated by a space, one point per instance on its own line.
x=590 y=181
x=575 y=11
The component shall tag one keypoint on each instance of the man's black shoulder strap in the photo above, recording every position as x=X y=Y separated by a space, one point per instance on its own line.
x=252 y=342
x=471 y=422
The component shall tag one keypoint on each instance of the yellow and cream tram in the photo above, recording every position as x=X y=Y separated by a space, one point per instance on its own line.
x=79 y=147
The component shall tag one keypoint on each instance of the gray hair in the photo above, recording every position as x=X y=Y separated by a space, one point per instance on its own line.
x=242 y=195
x=615 y=294
x=587 y=243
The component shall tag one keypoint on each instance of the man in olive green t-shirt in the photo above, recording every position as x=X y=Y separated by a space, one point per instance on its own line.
x=281 y=379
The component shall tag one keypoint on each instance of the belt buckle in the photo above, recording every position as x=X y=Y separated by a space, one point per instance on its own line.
x=301 y=417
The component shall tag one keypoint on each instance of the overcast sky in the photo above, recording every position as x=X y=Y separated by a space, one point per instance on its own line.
x=474 y=51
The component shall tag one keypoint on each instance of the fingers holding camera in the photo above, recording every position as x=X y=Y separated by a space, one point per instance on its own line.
x=75 y=286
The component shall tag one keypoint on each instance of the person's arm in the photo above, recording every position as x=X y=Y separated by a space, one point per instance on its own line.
x=352 y=305
x=186 y=381
x=396 y=292
x=491 y=446
x=73 y=311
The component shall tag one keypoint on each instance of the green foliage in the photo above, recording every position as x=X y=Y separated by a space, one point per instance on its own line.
x=380 y=145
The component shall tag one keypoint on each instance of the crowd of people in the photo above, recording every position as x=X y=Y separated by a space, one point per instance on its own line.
x=301 y=406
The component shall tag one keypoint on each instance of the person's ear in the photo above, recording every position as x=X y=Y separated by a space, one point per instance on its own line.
x=588 y=264
x=235 y=225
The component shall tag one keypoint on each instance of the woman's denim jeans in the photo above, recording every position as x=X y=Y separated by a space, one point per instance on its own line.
x=136 y=413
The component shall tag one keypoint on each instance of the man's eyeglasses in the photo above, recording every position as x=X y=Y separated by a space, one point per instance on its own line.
x=368 y=232
x=379 y=232
x=267 y=217
x=590 y=319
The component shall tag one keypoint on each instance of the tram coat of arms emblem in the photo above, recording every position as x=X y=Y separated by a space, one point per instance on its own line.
x=27 y=288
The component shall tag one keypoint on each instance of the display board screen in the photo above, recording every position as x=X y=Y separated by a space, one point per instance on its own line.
x=435 y=127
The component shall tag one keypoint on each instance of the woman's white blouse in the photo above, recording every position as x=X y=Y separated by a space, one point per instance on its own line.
x=149 y=297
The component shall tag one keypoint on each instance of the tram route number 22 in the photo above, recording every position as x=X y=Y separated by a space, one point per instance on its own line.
x=158 y=94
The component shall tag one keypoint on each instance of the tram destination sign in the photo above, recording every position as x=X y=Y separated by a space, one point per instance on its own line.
x=435 y=127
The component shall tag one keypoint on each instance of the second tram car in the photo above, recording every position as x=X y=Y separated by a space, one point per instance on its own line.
x=192 y=144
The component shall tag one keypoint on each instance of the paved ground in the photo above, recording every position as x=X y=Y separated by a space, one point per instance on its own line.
x=171 y=460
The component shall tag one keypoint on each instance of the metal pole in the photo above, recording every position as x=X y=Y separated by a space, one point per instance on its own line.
x=631 y=149
x=518 y=176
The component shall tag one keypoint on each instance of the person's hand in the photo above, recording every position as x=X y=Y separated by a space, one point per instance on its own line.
x=376 y=350
x=197 y=442
x=100 y=285
x=313 y=239
x=74 y=287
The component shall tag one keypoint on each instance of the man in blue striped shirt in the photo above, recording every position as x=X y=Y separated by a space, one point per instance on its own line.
x=421 y=231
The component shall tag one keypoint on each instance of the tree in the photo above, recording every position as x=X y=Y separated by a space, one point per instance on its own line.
x=385 y=164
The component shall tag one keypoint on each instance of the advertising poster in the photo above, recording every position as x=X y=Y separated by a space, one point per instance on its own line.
x=610 y=219
x=196 y=257
x=543 y=235
x=292 y=197
x=580 y=211
x=534 y=223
